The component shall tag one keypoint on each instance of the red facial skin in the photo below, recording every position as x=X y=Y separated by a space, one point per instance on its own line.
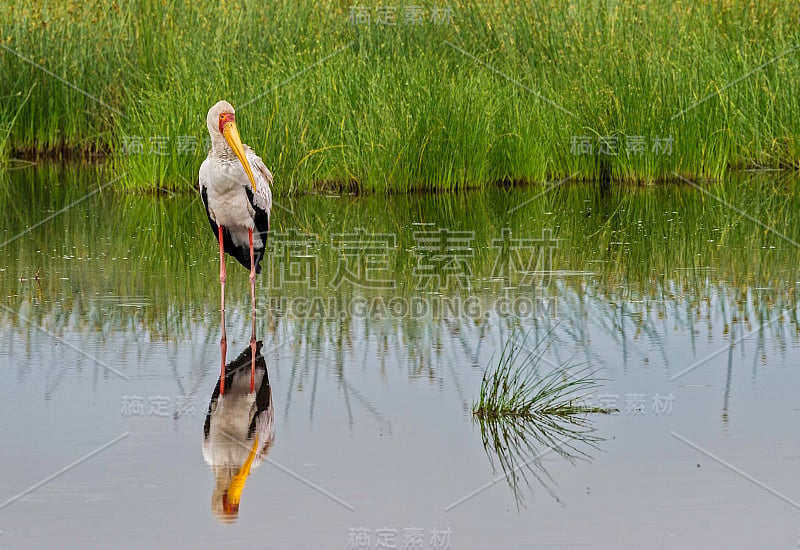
x=228 y=507
x=225 y=118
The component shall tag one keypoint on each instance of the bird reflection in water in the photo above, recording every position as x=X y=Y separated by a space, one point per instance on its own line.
x=239 y=429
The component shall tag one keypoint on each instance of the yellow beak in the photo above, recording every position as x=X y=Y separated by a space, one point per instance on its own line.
x=231 y=134
x=236 y=485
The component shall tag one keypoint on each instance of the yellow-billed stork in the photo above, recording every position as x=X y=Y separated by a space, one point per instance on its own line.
x=235 y=187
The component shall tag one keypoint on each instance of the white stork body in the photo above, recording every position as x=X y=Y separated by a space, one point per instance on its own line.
x=227 y=201
x=231 y=199
x=235 y=187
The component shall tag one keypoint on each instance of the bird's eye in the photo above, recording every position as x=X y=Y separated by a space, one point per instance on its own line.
x=221 y=116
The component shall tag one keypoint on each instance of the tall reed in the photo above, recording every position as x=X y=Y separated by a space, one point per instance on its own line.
x=471 y=94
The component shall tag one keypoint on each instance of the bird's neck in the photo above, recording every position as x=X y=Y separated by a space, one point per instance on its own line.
x=220 y=149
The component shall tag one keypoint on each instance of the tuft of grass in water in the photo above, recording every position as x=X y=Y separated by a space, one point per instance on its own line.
x=524 y=414
x=516 y=388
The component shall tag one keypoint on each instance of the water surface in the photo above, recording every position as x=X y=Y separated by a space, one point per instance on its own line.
x=378 y=317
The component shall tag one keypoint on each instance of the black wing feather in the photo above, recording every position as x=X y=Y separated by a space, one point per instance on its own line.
x=241 y=253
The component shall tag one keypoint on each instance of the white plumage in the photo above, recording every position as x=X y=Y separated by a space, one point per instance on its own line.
x=228 y=191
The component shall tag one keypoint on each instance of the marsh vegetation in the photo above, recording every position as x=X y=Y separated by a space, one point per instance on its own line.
x=483 y=93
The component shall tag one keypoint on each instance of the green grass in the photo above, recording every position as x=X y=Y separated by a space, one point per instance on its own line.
x=524 y=412
x=517 y=387
x=399 y=108
x=9 y=111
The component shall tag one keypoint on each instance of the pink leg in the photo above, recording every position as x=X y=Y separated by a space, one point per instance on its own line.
x=252 y=365
x=222 y=275
x=253 y=300
x=252 y=274
x=223 y=343
x=223 y=348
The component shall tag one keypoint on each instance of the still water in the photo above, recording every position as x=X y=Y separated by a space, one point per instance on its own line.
x=377 y=318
